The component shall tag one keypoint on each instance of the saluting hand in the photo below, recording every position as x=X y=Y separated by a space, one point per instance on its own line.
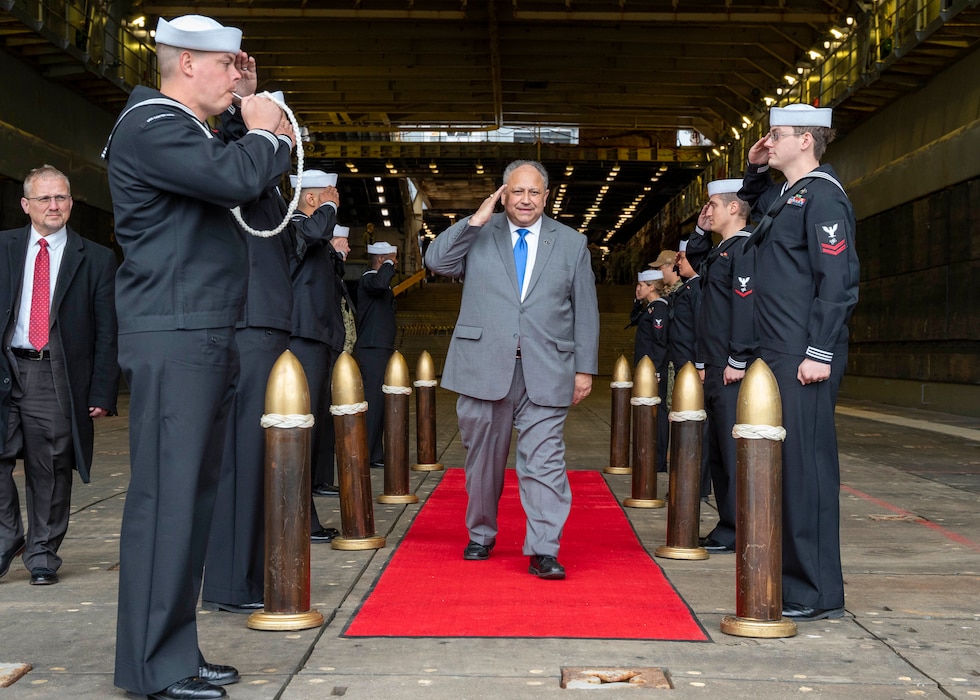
x=328 y=194
x=245 y=65
x=483 y=214
x=759 y=154
x=704 y=219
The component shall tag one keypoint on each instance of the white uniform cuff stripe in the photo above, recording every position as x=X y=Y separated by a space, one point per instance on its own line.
x=819 y=355
x=268 y=135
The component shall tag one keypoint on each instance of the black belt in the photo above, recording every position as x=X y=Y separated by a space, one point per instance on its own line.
x=37 y=355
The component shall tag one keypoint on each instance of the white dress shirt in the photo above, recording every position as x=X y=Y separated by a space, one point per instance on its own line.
x=531 y=239
x=56 y=251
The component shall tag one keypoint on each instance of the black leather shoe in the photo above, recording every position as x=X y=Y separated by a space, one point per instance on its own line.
x=377 y=465
x=477 y=552
x=546 y=567
x=324 y=535
x=712 y=545
x=804 y=613
x=189 y=689
x=243 y=609
x=218 y=675
x=325 y=490
x=7 y=558
x=42 y=576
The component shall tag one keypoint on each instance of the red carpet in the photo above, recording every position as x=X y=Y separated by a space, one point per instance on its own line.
x=613 y=589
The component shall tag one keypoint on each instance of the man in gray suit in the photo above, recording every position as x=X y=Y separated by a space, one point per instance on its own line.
x=524 y=349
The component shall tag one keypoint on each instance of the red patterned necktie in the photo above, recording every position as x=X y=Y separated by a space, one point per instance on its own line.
x=37 y=333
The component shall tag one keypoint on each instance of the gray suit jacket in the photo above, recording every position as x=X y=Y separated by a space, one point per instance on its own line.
x=556 y=326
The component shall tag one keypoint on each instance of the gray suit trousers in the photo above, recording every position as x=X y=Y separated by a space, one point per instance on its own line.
x=485 y=428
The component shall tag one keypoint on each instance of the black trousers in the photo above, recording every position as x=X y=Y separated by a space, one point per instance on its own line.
x=373 y=362
x=234 y=570
x=318 y=360
x=720 y=403
x=181 y=388
x=811 y=484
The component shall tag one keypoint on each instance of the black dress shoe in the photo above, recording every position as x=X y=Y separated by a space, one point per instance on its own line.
x=325 y=490
x=377 y=465
x=42 y=576
x=189 y=689
x=7 y=558
x=546 y=567
x=712 y=545
x=324 y=535
x=216 y=674
x=477 y=552
x=804 y=613
x=241 y=609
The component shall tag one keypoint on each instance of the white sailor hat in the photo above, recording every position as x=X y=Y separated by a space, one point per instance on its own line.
x=682 y=246
x=277 y=94
x=724 y=186
x=199 y=33
x=800 y=115
x=341 y=231
x=314 y=179
x=649 y=276
x=381 y=248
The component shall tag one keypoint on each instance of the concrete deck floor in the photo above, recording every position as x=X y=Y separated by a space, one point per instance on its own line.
x=911 y=553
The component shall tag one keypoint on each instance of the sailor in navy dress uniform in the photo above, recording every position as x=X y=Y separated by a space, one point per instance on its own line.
x=234 y=578
x=179 y=293
x=805 y=287
x=317 y=320
x=376 y=330
x=652 y=324
x=725 y=346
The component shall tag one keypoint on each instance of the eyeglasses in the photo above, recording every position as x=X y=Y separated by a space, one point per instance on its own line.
x=46 y=199
x=774 y=136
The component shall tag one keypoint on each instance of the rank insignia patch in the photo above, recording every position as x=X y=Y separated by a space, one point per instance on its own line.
x=658 y=323
x=743 y=290
x=830 y=242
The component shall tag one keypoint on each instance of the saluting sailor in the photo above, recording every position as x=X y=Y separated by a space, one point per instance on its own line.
x=805 y=288
x=179 y=293
x=725 y=346
x=652 y=323
x=376 y=330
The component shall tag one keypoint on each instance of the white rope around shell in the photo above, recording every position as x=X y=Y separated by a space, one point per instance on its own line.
x=621 y=385
x=682 y=416
x=396 y=389
x=644 y=401
x=426 y=382
x=759 y=432
x=291 y=420
x=294 y=202
x=349 y=409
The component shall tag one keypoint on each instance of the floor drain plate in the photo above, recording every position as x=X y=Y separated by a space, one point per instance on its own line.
x=593 y=678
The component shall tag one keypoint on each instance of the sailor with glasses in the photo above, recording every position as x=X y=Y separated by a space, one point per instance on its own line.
x=805 y=284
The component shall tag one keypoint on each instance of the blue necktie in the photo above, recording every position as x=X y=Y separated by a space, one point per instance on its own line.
x=520 y=258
